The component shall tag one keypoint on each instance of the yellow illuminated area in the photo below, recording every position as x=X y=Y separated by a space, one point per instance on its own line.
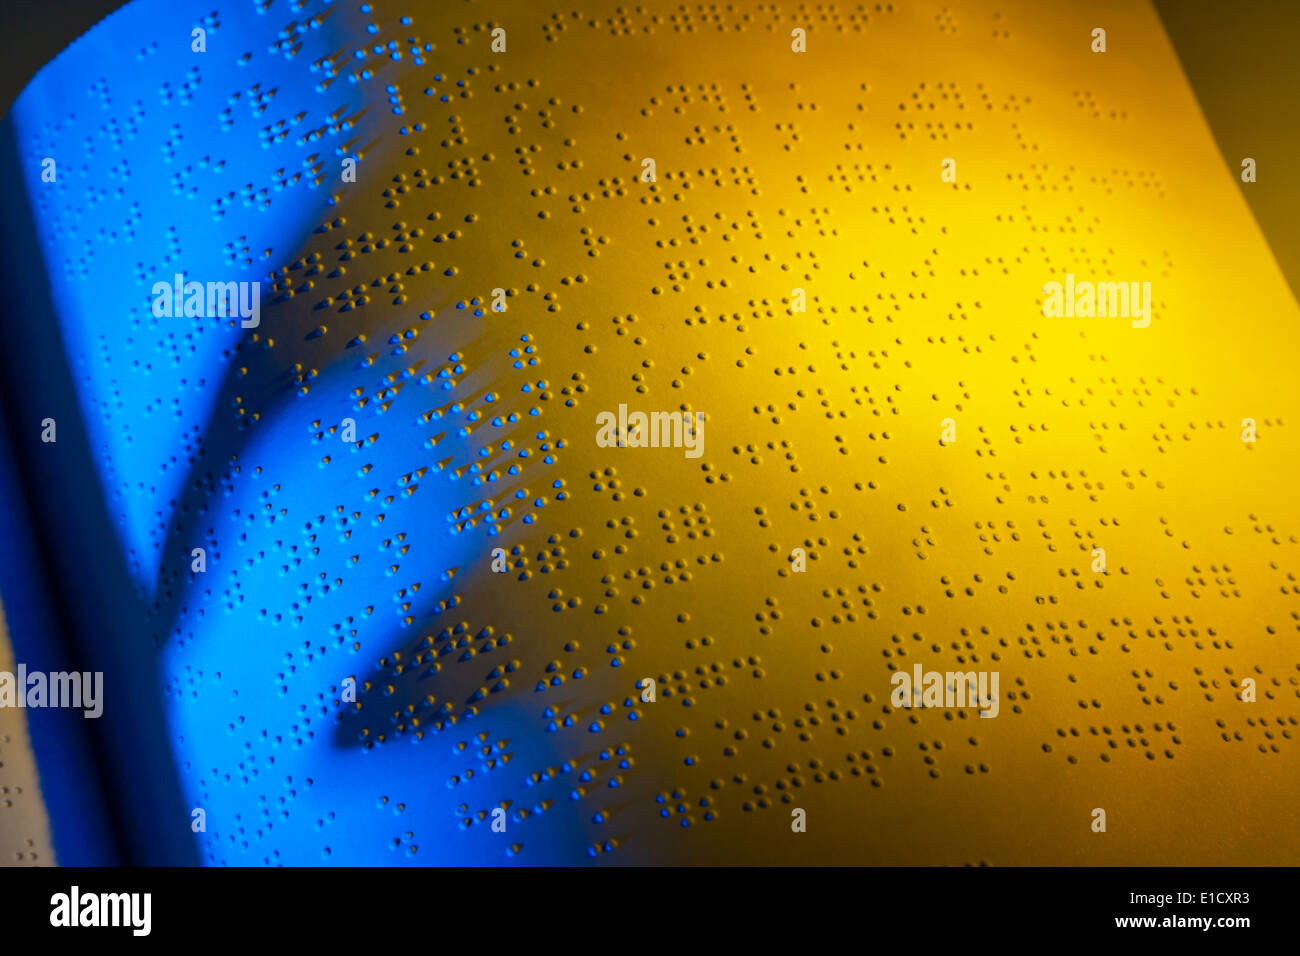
x=823 y=171
x=25 y=831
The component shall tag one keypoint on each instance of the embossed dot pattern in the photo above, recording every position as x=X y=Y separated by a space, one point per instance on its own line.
x=24 y=823
x=350 y=464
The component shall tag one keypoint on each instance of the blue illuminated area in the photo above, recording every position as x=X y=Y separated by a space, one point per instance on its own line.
x=316 y=584
x=322 y=686
x=208 y=164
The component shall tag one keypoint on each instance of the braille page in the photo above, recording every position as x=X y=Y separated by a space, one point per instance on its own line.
x=683 y=433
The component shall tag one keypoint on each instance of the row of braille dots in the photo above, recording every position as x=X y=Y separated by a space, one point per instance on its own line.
x=118 y=132
x=1272 y=746
x=258 y=101
x=1113 y=742
x=185 y=93
x=1084 y=100
x=1234 y=683
x=948 y=24
x=861 y=764
x=288 y=41
x=416 y=48
x=682 y=20
x=26 y=856
x=238 y=251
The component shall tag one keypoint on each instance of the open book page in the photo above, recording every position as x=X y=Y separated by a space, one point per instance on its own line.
x=495 y=433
